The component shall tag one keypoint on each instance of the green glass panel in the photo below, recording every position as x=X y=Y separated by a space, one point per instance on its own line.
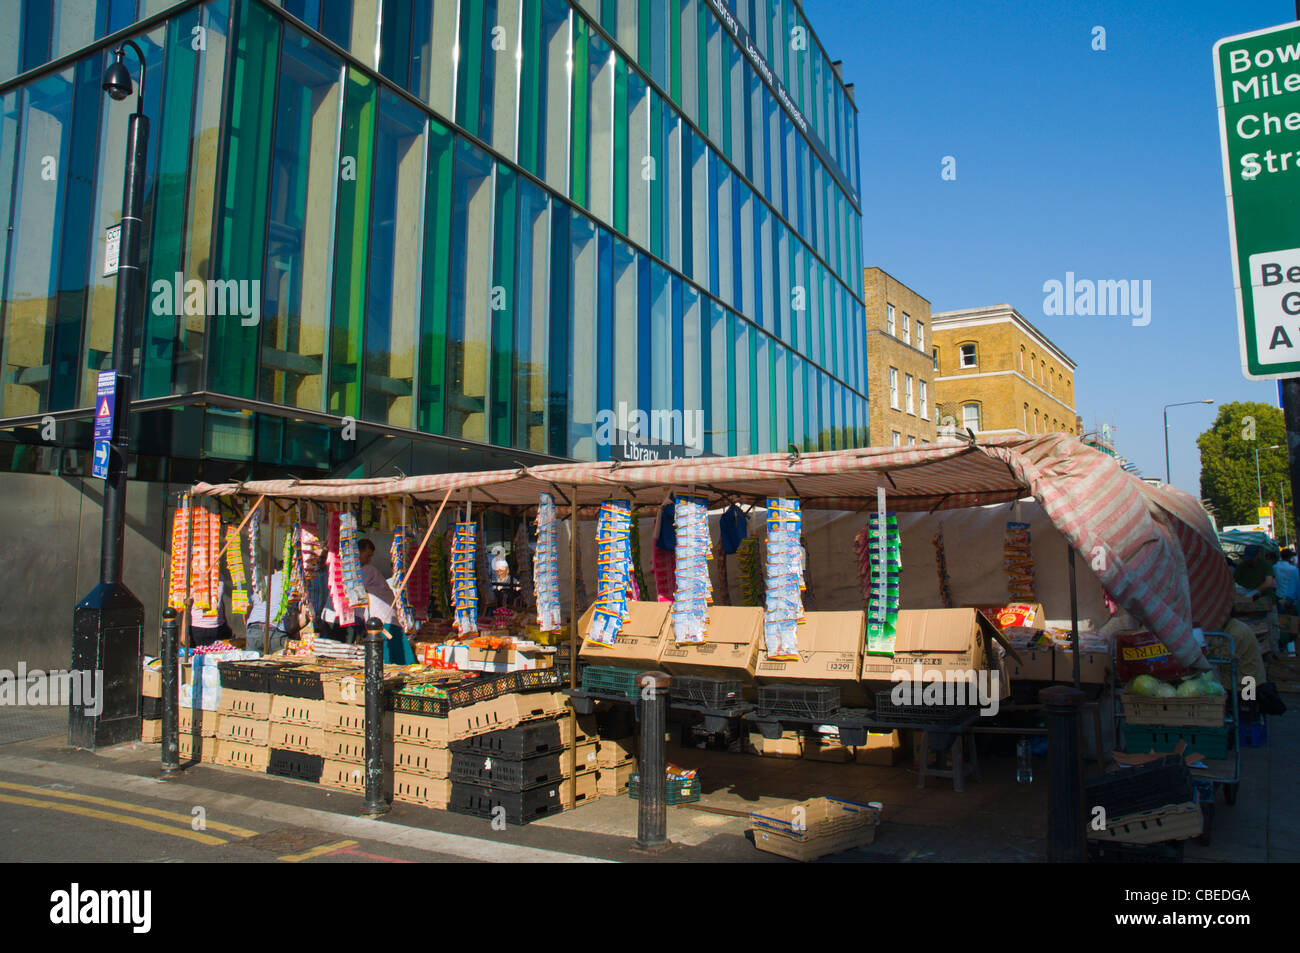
x=660 y=170
x=530 y=78
x=675 y=45
x=469 y=77
x=352 y=230
x=166 y=248
x=437 y=255
x=578 y=126
x=255 y=34
x=702 y=68
x=620 y=146
x=503 y=307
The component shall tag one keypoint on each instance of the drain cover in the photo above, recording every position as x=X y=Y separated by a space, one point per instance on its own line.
x=288 y=840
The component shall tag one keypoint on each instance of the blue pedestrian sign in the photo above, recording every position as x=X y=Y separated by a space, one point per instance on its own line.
x=103 y=449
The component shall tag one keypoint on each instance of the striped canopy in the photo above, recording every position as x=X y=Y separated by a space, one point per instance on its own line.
x=1153 y=548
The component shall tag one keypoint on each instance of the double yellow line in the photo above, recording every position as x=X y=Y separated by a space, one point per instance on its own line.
x=63 y=797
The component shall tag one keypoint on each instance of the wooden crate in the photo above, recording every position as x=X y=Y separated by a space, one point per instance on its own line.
x=245 y=704
x=247 y=757
x=299 y=738
x=421 y=760
x=427 y=792
x=1203 y=710
x=248 y=731
x=298 y=711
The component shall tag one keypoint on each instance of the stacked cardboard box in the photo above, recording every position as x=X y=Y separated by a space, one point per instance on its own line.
x=244 y=729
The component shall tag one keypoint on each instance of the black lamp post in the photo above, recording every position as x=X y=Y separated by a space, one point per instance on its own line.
x=108 y=626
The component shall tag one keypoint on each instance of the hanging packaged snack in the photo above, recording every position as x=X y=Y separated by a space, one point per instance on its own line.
x=1018 y=562
x=257 y=594
x=880 y=557
x=338 y=598
x=397 y=557
x=546 y=567
x=286 y=557
x=693 y=587
x=235 y=566
x=941 y=568
x=176 y=583
x=464 y=590
x=350 y=555
x=783 y=608
x=613 y=563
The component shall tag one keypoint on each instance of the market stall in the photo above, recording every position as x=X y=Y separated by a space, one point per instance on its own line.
x=1044 y=519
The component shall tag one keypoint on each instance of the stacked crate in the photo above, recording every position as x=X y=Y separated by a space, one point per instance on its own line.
x=243 y=729
x=343 y=737
x=615 y=763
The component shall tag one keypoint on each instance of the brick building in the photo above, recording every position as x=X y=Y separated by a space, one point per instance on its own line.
x=900 y=371
x=998 y=374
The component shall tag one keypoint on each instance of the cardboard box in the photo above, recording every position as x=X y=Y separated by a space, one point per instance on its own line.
x=151 y=682
x=615 y=751
x=421 y=760
x=1035 y=665
x=245 y=704
x=789 y=745
x=151 y=731
x=949 y=641
x=207 y=722
x=582 y=789
x=344 y=687
x=819 y=747
x=352 y=748
x=347 y=776
x=346 y=719
x=612 y=781
x=207 y=751
x=638 y=644
x=301 y=711
x=730 y=648
x=881 y=750
x=1015 y=615
x=292 y=737
x=248 y=757
x=248 y=731
x=494 y=715
x=1094 y=667
x=830 y=653
x=427 y=792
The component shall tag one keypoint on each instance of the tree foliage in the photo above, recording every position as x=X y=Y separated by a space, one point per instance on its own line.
x=1228 y=461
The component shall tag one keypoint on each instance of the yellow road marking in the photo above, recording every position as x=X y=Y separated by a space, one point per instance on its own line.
x=185 y=819
x=116 y=818
x=318 y=851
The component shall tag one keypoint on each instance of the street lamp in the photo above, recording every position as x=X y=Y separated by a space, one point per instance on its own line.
x=108 y=624
x=1186 y=403
x=1281 y=498
x=1259 y=486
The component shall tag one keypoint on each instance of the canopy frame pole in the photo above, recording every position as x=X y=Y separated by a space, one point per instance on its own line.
x=189 y=567
x=269 y=568
x=1074 y=616
x=423 y=542
x=573 y=645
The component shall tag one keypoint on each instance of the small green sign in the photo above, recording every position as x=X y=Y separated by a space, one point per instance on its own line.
x=1257 y=81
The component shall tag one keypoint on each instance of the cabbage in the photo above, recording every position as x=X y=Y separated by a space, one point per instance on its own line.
x=1164 y=690
x=1145 y=685
x=1191 y=688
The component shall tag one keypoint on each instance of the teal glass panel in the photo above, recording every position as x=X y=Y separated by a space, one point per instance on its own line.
x=532 y=328
x=504 y=307
x=469 y=293
x=437 y=259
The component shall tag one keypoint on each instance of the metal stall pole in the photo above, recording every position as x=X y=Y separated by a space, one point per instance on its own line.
x=1065 y=815
x=652 y=807
x=375 y=806
x=1074 y=618
x=170 y=693
x=573 y=644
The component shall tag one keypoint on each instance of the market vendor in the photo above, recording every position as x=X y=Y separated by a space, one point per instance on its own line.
x=205 y=627
x=398 y=650
x=257 y=631
x=1254 y=578
x=1288 y=582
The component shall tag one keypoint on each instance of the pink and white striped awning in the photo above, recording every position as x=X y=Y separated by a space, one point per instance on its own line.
x=1153 y=548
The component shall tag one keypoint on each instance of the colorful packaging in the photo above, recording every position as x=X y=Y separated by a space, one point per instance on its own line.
x=693 y=590
x=546 y=567
x=783 y=609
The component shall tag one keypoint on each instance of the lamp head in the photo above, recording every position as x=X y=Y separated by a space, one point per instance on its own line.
x=117 y=79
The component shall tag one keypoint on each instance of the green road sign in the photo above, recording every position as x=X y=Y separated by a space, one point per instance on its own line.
x=1257 y=81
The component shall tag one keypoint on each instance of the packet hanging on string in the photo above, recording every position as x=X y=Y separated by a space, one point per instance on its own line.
x=693 y=587
x=464 y=589
x=783 y=609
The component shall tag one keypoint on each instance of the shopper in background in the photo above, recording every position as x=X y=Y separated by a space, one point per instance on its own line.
x=397 y=649
x=1288 y=582
x=257 y=626
x=206 y=629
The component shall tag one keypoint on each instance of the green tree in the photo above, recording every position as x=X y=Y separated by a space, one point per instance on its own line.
x=1228 y=462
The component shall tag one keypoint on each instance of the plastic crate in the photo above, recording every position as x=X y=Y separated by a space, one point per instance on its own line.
x=474 y=690
x=609 y=680
x=1141 y=788
x=1210 y=742
x=251 y=675
x=716 y=693
x=296 y=765
x=294 y=683
x=1254 y=734
x=676 y=792
x=515 y=744
x=920 y=714
x=805 y=701
x=502 y=774
x=1202 y=710
x=150 y=708
x=519 y=807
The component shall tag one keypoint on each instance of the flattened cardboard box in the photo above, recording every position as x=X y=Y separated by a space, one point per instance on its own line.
x=830 y=651
x=950 y=641
x=427 y=792
x=730 y=647
x=638 y=643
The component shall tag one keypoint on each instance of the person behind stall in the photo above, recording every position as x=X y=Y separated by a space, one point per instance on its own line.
x=1288 y=581
x=397 y=649
x=206 y=629
x=257 y=628
x=1255 y=580
x=316 y=605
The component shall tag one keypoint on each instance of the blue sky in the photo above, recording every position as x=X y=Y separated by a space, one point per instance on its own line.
x=1102 y=163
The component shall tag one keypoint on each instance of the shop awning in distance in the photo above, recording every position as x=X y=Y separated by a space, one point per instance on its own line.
x=1153 y=548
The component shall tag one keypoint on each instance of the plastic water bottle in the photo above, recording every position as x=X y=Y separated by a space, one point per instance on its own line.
x=1024 y=760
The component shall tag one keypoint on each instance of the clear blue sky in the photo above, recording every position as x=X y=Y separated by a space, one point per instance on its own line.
x=1102 y=163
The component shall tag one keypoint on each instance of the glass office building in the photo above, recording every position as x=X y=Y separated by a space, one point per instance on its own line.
x=467 y=225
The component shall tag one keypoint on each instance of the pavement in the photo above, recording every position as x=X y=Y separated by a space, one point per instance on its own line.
x=66 y=805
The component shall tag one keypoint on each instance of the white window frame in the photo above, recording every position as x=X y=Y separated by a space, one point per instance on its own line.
x=920 y=336
x=975 y=355
x=898 y=439
x=925 y=401
x=907 y=328
x=911 y=441
x=889 y=320
x=893 y=388
x=909 y=396
x=965 y=421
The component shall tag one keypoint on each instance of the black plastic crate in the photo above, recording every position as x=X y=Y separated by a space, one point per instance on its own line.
x=805 y=701
x=615 y=721
x=886 y=710
x=150 y=708
x=292 y=683
x=515 y=744
x=699 y=736
x=717 y=693
x=1141 y=788
x=474 y=690
x=502 y=774
x=296 y=765
x=252 y=675
x=520 y=807
x=610 y=680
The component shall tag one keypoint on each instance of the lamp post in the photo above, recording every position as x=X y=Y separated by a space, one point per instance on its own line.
x=1281 y=497
x=1186 y=403
x=1259 y=487
x=108 y=624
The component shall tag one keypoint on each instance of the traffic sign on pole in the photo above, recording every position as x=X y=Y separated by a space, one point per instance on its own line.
x=99 y=465
x=1257 y=81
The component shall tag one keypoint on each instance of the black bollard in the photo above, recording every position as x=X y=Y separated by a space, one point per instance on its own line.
x=1066 y=837
x=170 y=702
x=374 y=640
x=652 y=809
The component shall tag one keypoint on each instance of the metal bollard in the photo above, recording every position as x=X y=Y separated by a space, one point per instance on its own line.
x=170 y=691
x=374 y=640
x=1066 y=837
x=652 y=808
